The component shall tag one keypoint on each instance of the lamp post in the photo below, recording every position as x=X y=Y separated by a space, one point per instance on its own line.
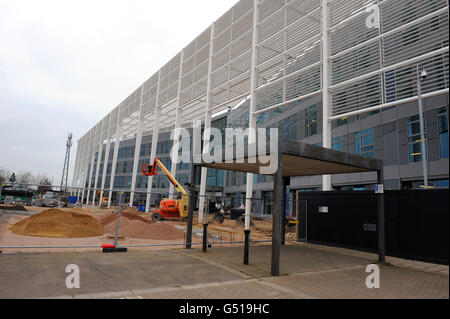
x=421 y=75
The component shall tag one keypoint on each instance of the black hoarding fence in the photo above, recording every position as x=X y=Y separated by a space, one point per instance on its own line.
x=416 y=222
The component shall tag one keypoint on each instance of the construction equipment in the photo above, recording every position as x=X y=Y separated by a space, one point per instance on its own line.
x=47 y=200
x=220 y=212
x=168 y=208
x=64 y=202
x=103 y=203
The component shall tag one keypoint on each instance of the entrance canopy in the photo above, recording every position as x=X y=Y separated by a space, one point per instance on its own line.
x=289 y=159
x=300 y=159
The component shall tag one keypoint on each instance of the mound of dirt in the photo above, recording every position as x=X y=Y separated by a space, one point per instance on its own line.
x=132 y=225
x=58 y=223
x=131 y=210
x=112 y=218
x=76 y=210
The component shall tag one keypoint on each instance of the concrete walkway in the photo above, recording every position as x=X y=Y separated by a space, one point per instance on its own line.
x=309 y=271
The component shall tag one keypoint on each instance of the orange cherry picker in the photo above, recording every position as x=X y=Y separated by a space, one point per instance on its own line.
x=168 y=208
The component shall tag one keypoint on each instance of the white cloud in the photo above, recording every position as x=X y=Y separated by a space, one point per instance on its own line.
x=65 y=64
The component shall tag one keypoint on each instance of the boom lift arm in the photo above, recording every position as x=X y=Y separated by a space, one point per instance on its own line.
x=152 y=170
x=168 y=208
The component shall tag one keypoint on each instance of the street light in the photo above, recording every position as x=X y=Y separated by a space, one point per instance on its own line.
x=422 y=75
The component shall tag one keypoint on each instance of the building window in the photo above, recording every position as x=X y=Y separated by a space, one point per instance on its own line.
x=121 y=152
x=341 y=121
x=118 y=182
x=365 y=143
x=143 y=149
x=294 y=127
x=337 y=143
x=414 y=140
x=440 y=183
x=127 y=181
x=287 y=128
x=262 y=118
x=311 y=120
x=278 y=111
x=281 y=130
x=126 y=152
x=214 y=177
x=443 y=131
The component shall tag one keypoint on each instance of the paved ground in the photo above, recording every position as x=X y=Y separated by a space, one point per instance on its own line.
x=307 y=272
x=43 y=274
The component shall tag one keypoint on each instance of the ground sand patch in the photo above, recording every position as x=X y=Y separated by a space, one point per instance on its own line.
x=59 y=224
x=131 y=225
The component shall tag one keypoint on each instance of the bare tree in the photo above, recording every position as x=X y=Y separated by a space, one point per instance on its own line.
x=44 y=184
x=25 y=178
x=5 y=174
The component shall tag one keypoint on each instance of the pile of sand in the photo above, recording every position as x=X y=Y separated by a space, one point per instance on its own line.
x=59 y=224
x=131 y=225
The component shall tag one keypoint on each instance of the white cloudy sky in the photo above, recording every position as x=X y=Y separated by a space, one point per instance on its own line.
x=65 y=63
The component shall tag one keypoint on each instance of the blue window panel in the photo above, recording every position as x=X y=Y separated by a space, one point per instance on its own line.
x=220 y=179
x=367 y=148
x=368 y=131
x=211 y=181
x=442 y=183
x=415 y=153
x=443 y=140
x=287 y=127
x=337 y=143
x=357 y=145
x=443 y=132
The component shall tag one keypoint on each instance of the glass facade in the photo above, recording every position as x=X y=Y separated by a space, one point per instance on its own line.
x=311 y=120
x=414 y=139
x=337 y=143
x=443 y=131
x=365 y=142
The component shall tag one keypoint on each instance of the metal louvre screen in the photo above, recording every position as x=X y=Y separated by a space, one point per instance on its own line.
x=374 y=66
x=114 y=117
x=149 y=93
x=168 y=84
x=105 y=129
x=359 y=95
x=231 y=59
x=195 y=68
x=288 y=51
x=98 y=133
